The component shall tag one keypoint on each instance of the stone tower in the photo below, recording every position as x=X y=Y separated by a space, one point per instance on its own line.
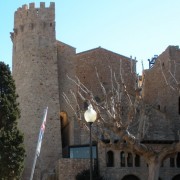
x=36 y=77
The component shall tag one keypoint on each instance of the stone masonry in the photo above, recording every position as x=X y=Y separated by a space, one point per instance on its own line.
x=34 y=51
x=41 y=65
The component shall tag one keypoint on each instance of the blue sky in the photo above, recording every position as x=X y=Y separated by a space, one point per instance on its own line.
x=137 y=28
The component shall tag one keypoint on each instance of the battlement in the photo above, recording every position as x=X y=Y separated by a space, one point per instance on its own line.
x=31 y=13
x=30 y=18
x=32 y=6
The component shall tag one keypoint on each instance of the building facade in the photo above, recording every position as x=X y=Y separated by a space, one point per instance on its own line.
x=41 y=64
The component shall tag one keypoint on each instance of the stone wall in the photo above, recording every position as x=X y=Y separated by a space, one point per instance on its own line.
x=106 y=62
x=67 y=67
x=36 y=78
x=117 y=172
x=82 y=65
x=160 y=91
x=67 y=169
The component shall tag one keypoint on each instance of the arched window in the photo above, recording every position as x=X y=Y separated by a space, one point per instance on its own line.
x=110 y=159
x=130 y=160
x=122 y=159
x=137 y=160
x=178 y=160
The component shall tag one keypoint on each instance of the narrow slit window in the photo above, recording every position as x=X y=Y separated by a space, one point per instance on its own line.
x=179 y=106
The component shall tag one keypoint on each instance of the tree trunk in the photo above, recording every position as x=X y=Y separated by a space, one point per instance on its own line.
x=154 y=167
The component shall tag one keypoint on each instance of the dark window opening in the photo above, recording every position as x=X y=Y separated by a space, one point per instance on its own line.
x=50 y=24
x=137 y=160
x=172 y=162
x=85 y=105
x=97 y=99
x=110 y=159
x=122 y=159
x=178 y=160
x=137 y=110
x=179 y=105
x=130 y=160
x=158 y=107
x=64 y=129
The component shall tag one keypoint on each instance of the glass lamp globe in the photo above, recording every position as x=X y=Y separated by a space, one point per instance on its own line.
x=90 y=114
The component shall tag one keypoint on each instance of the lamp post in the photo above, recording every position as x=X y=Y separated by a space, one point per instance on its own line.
x=90 y=116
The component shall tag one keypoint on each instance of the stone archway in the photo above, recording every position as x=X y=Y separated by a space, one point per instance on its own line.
x=177 y=177
x=130 y=177
x=64 y=133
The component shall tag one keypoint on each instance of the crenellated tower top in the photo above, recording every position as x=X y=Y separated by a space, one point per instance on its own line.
x=34 y=19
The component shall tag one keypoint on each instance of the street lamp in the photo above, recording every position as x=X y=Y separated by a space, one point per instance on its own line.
x=90 y=116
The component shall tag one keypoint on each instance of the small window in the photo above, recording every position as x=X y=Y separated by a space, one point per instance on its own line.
x=122 y=159
x=172 y=162
x=50 y=24
x=137 y=160
x=178 y=160
x=179 y=106
x=85 y=105
x=98 y=100
x=158 y=107
x=110 y=159
x=130 y=160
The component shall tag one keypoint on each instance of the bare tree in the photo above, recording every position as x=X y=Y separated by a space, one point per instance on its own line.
x=129 y=124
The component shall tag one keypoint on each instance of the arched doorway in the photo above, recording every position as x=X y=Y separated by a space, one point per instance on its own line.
x=130 y=177
x=64 y=133
x=177 y=177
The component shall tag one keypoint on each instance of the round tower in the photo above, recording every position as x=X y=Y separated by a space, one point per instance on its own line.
x=36 y=78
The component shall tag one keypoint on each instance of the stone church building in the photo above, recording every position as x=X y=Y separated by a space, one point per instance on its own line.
x=40 y=67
